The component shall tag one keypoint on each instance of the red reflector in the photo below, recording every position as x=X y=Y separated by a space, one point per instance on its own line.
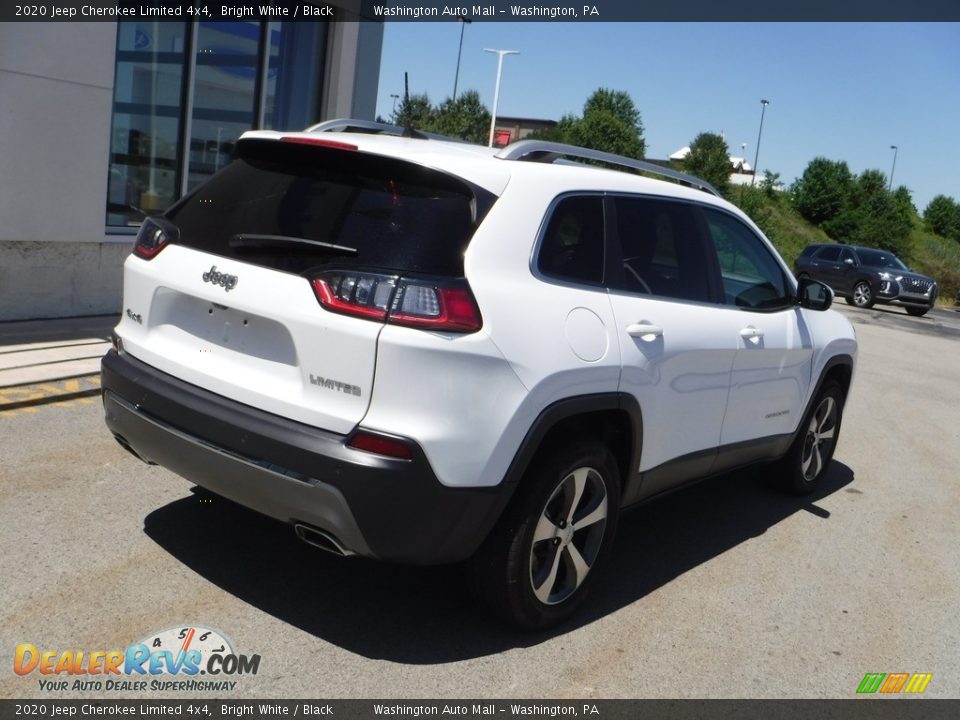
x=380 y=445
x=320 y=142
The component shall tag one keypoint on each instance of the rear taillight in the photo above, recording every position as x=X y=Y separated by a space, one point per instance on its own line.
x=414 y=302
x=155 y=234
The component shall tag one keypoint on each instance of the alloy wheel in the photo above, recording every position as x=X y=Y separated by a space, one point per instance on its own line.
x=568 y=536
x=818 y=444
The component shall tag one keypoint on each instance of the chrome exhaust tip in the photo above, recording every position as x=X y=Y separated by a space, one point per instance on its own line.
x=321 y=539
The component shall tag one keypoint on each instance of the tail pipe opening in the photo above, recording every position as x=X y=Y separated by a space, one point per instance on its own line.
x=321 y=539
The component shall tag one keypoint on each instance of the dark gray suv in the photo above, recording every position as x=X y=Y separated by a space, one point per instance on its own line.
x=865 y=276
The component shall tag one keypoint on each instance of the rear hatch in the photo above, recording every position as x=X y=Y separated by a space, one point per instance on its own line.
x=271 y=282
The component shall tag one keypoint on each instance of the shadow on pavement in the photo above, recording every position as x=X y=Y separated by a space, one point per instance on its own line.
x=21 y=332
x=938 y=322
x=421 y=615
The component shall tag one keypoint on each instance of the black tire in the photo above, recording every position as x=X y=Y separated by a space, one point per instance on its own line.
x=863 y=294
x=849 y=299
x=527 y=570
x=802 y=469
x=917 y=311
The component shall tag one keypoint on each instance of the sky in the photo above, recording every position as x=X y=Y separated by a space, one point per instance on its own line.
x=844 y=91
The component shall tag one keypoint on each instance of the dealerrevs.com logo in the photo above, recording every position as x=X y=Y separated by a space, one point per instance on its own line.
x=190 y=659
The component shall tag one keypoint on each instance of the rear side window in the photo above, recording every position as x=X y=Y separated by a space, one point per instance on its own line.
x=573 y=247
x=297 y=208
x=662 y=248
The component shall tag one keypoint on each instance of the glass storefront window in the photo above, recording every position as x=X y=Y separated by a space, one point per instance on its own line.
x=146 y=120
x=224 y=87
x=201 y=81
x=293 y=75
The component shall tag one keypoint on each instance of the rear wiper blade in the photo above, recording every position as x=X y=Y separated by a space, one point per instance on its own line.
x=254 y=240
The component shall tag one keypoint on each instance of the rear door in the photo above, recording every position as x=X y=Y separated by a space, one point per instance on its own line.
x=677 y=342
x=232 y=305
x=828 y=267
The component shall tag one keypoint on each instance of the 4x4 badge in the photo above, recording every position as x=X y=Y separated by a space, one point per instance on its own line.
x=227 y=282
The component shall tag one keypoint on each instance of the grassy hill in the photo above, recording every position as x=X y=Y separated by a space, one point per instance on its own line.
x=929 y=254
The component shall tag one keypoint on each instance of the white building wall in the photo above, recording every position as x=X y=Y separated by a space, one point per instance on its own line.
x=56 y=91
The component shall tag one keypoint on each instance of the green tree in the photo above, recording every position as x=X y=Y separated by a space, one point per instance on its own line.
x=880 y=219
x=610 y=123
x=414 y=112
x=709 y=159
x=942 y=216
x=823 y=192
x=559 y=133
x=465 y=118
x=770 y=183
x=904 y=200
x=620 y=105
x=604 y=131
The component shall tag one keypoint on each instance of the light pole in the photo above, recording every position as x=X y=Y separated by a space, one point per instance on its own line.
x=496 y=91
x=894 y=167
x=756 y=157
x=456 y=78
x=395 y=98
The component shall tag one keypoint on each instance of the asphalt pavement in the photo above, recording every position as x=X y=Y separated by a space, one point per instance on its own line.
x=725 y=590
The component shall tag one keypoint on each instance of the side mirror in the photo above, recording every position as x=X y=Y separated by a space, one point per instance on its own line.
x=848 y=261
x=813 y=295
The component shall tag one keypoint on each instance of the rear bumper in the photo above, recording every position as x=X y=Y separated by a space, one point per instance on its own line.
x=394 y=510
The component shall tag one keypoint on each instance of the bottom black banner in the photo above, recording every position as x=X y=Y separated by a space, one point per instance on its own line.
x=857 y=709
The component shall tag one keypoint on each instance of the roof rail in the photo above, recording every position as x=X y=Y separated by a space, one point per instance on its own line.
x=377 y=128
x=548 y=152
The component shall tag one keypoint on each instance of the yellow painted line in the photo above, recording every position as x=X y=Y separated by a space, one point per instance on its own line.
x=66 y=393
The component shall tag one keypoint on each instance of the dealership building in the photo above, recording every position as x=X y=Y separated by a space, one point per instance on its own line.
x=104 y=123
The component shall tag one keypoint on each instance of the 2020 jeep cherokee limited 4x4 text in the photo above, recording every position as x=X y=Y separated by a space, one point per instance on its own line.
x=427 y=352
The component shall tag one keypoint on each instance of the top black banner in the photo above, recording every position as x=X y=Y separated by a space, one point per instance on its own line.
x=489 y=11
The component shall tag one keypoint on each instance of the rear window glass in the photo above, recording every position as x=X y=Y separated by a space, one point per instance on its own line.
x=298 y=208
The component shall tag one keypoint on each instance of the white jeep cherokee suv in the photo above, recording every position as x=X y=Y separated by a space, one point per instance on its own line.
x=426 y=352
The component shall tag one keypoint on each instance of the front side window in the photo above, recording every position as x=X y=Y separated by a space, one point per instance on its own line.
x=881 y=259
x=752 y=278
x=830 y=253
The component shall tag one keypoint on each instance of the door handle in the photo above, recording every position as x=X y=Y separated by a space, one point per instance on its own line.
x=645 y=331
x=751 y=333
